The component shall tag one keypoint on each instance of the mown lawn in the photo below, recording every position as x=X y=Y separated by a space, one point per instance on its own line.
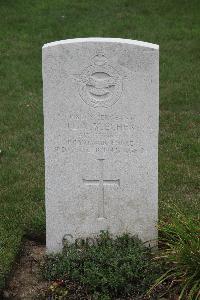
x=24 y=27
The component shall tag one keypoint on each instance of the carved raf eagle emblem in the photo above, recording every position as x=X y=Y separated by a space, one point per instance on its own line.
x=100 y=85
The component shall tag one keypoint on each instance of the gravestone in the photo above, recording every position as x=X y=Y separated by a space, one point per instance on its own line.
x=101 y=106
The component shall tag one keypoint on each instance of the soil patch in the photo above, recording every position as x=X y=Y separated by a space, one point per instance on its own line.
x=25 y=282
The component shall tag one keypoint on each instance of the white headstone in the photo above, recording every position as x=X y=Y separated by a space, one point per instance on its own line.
x=101 y=106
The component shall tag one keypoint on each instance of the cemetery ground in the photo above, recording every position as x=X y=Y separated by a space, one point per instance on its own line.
x=24 y=27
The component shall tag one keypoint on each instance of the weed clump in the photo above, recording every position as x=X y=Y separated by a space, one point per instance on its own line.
x=107 y=268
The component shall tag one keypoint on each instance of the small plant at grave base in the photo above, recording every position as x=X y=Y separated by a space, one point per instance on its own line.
x=181 y=243
x=107 y=269
x=58 y=290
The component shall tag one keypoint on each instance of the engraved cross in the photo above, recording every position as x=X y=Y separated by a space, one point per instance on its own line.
x=101 y=182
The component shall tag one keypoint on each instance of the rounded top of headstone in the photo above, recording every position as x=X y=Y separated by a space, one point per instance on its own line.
x=105 y=40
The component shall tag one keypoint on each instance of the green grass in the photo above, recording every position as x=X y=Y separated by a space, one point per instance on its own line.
x=180 y=240
x=24 y=27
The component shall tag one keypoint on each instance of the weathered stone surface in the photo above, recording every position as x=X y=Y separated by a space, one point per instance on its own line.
x=101 y=138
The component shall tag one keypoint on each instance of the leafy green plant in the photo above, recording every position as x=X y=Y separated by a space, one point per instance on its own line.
x=181 y=243
x=109 y=267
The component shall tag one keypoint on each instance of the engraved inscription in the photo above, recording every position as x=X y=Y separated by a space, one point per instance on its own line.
x=100 y=133
x=101 y=145
x=101 y=182
x=108 y=124
x=100 y=85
